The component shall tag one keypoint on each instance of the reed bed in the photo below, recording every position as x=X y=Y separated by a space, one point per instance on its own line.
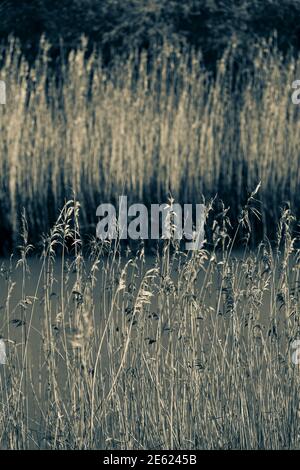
x=152 y=124
x=190 y=350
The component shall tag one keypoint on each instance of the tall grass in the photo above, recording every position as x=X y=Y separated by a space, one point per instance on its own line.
x=152 y=125
x=192 y=351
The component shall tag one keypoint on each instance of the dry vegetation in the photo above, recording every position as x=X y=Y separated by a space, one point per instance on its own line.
x=191 y=352
x=107 y=351
x=145 y=128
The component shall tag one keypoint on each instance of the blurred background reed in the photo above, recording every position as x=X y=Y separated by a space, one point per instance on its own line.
x=153 y=124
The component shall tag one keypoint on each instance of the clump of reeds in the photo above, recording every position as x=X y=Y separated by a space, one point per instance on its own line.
x=184 y=350
x=154 y=124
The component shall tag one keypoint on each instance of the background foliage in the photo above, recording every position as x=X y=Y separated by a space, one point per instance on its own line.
x=116 y=24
